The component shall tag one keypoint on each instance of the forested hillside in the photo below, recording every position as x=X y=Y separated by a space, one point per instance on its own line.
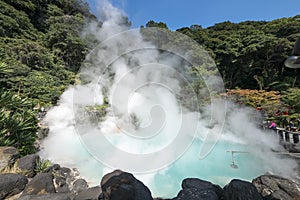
x=41 y=50
x=40 y=46
x=40 y=53
x=250 y=54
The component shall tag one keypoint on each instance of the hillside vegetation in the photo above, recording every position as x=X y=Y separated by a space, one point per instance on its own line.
x=250 y=57
x=41 y=51
x=251 y=54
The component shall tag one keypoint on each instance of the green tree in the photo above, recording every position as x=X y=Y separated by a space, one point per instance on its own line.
x=63 y=39
x=15 y=23
x=40 y=49
x=291 y=98
x=152 y=23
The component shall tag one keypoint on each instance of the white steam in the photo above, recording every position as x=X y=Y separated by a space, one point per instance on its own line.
x=148 y=124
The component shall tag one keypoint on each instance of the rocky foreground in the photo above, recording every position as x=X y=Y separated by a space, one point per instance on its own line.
x=60 y=183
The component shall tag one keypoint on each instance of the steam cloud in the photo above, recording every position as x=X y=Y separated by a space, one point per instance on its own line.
x=153 y=119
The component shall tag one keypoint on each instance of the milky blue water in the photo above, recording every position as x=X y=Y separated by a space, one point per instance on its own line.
x=64 y=146
x=216 y=167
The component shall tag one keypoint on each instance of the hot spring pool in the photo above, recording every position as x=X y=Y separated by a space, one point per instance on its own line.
x=215 y=167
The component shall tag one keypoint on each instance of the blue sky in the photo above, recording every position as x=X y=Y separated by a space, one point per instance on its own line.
x=181 y=13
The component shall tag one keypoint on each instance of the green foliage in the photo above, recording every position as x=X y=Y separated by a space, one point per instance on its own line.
x=42 y=165
x=71 y=7
x=251 y=54
x=95 y=114
x=40 y=46
x=4 y=71
x=43 y=86
x=269 y=101
x=63 y=39
x=33 y=70
x=40 y=51
x=18 y=123
x=273 y=104
x=26 y=52
x=291 y=98
x=152 y=23
x=14 y=23
x=25 y=5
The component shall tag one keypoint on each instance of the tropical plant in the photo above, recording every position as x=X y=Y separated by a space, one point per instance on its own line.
x=18 y=123
x=42 y=165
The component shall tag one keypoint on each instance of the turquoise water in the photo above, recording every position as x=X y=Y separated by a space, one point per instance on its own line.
x=64 y=146
x=216 y=167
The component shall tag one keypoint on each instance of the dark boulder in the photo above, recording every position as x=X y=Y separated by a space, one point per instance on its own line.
x=28 y=163
x=60 y=179
x=11 y=184
x=54 y=196
x=68 y=174
x=52 y=169
x=64 y=177
x=61 y=184
x=80 y=185
x=241 y=190
x=108 y=176
x=40 y=184
x=196 y=194
x=89 y=194
x=275 y=187
x=65 y=171
x=120 y=185
x=194 y=188
x=60 y=171
x=8 y=156
x=202 y=185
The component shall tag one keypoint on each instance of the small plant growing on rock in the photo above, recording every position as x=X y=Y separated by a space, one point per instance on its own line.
x=42 y=165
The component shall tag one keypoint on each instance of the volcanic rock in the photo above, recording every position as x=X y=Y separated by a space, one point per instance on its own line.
x=28 y=163
x=11 y=184
x=80 y=185
x=195 y=194
x=120 y=185
x=64 y=177
x=54 y=196
x=8 y=156
x=194 y=188
x=89 y=194
x=202 y=185
x=275 y=187
x=241 y=190
x=61 y=184
x=40 y=184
